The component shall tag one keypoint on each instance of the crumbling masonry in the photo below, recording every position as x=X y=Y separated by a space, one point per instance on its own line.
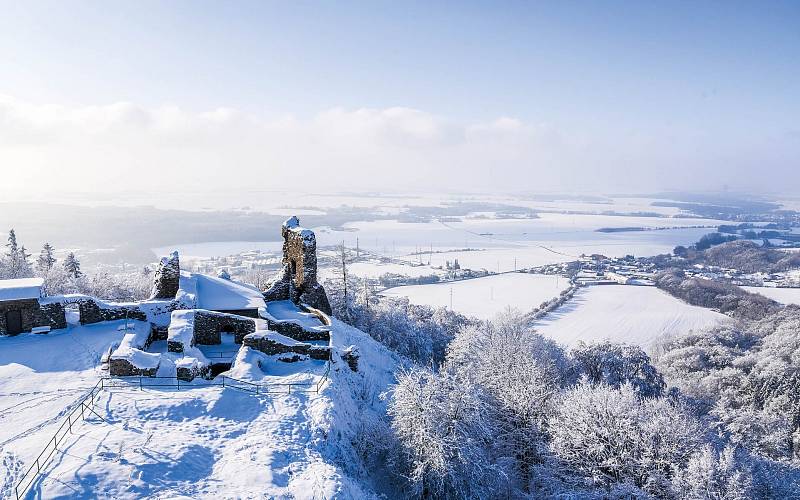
x=298 y=278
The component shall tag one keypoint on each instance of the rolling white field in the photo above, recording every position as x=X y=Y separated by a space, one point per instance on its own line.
x=632 y=314
x=485 y=297
x=782 y=295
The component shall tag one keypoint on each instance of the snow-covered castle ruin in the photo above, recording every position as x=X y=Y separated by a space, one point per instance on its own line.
x=193 y=324
x=298 y=279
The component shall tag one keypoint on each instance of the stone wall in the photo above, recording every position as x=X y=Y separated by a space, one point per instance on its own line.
x=123 y=368
x=271 y=347
x=209 y=325
x=52 y=315
x=29 y=313
x=297 y=280
x=92 y=313
x=167 y=278
x=297 y=332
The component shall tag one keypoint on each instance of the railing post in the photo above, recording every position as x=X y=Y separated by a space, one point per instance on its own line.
x=223 y=381
x=140 y=382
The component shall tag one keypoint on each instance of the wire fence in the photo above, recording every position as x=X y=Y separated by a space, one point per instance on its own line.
x=84 y=407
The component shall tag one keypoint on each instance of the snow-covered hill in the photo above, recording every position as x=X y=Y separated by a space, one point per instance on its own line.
x=200 y=442
x=638 y=315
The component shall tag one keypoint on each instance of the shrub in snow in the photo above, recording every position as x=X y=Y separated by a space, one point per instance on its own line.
x=616 y=364
x=611 y=435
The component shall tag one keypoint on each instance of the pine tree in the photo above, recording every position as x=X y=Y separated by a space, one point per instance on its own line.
x=13 y=249
x=72 y=266
x=46 y=260
x=24 y=269
x=16 y=261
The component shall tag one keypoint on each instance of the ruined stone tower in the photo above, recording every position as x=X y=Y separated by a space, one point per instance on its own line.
x=297 y=280
x=167 y=278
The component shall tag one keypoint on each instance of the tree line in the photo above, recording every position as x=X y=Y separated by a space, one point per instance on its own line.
x=66 y=276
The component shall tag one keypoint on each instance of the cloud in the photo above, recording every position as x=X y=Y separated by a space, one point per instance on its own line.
x=125 y=146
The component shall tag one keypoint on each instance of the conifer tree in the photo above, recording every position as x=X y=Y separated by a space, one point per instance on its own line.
x=72 y=266
x=46 y=259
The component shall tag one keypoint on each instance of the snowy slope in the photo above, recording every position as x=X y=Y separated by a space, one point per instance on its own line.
x=205 y=442
x=632 y=314
x=782 y=295
x=485 y=297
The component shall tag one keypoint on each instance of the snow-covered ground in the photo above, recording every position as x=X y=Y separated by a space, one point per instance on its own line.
x=624 y=313
x=486 y=297
x=204 y=442
x=782 y=295
x=375 y=269
x=506 y=243
x=503 y=243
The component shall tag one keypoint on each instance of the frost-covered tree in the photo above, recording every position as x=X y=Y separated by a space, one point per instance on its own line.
x=615 y=364
x=72 y=266
x=418 y=332
x=441 y=423
x=518 y=372
x=12 y=245
x=15 y=263
x=709 y=475
x=612 y=435
x=46 y=259
x=343 y=285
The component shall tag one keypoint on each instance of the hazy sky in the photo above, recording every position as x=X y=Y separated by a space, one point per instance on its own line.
x=597 y=96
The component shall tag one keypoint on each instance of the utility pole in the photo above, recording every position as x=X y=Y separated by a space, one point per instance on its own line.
x=451 y=298
x=358 y=250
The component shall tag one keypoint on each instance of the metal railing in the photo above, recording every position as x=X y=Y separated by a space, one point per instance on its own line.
x=86 y=405
x=220 y=354
x=142 y=381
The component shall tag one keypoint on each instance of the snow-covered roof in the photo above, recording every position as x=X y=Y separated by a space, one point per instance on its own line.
x=217 y=294
x=22 y=288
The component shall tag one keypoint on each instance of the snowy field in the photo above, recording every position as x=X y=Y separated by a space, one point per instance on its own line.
x=206 y=442
x=376 y=269
x=782 y=295
x=485 y=297
x=633 y=314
